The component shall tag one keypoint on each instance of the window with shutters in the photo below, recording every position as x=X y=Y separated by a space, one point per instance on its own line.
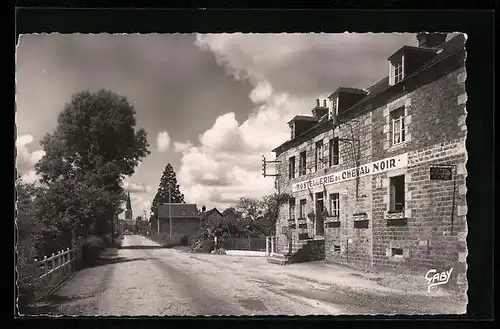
x=302 y=163
x=397 y=194
x=333 y=154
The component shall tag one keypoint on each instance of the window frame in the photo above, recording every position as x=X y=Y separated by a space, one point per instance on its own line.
x=398 y=69
x=292 y=209
x=302 y=163
x=318 y=155
x=302 y=211
x=291 y=167
x=332 y=155
x=334 y=211
x=401 y=131
x=393 y=194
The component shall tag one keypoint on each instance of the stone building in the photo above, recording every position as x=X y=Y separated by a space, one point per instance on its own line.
x=377 y=175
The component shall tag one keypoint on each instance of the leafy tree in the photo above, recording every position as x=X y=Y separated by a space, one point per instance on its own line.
x=249 y=208
x=168 y=185
x=94 y=146
x=260 y=216
x=271 y=205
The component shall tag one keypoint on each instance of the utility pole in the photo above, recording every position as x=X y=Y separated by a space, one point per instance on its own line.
x=157 y=222
x=170 y=208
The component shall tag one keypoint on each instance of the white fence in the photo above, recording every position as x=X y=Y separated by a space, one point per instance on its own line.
x=271 y=245
x=50 y=271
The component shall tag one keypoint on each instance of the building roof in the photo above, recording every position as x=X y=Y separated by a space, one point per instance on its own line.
x=179 y=210
x=303 y=118
x=210 y=212
x=447 y=49
x=348 y=90
x=412 y=48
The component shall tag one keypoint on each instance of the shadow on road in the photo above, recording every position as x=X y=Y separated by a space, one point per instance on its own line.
x=109 y=261
x=143 y=247
x=108 y=257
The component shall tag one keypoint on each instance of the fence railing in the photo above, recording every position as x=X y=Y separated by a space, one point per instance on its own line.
x=252 y=244
x=48 y=272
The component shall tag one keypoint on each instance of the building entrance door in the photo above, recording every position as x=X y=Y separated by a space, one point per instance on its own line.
x=320 y=226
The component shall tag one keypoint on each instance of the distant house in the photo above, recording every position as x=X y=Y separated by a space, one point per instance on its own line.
x=212 y=214
x=185 y=220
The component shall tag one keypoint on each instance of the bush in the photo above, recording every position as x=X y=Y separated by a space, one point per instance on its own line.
x=92 y=248
x=27 y=273
x=219 y=251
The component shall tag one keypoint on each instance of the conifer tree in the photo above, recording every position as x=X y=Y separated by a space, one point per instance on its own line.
x=168 y=179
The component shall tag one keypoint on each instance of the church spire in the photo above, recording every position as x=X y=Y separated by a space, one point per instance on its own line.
x=129 y=205
x=128 y=210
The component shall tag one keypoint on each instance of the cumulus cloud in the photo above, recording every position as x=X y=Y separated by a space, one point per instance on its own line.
x=26 y=160
x=136 y=187
x=180 y=147
x=287 y=72
x=162 y=141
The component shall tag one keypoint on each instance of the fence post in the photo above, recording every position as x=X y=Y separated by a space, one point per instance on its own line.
x=52 y=266
x=45 y=268
x=67 y=262
x=267 y=246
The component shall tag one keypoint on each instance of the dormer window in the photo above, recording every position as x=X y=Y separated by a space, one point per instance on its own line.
x=396 y=70
x=292 y=131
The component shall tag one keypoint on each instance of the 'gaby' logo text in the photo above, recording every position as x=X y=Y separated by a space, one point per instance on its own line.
x=434 y=279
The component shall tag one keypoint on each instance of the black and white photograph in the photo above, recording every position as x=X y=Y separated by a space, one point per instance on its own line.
x=241 y=174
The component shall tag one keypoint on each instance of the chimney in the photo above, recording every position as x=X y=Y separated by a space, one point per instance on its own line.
x=431 y=40
x=319 y=110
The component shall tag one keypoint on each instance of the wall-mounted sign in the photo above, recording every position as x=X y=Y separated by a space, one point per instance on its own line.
x=441 y=173
x=376 y=167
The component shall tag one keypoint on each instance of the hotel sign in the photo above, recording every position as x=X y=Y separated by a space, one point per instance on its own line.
x=373 y=168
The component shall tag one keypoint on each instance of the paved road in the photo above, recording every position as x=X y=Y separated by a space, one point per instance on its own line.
x=173 y=282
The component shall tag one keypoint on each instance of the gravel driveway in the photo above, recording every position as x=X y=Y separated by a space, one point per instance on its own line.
x=172 y=282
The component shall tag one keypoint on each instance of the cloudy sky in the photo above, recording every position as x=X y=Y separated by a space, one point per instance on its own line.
x=211 y=104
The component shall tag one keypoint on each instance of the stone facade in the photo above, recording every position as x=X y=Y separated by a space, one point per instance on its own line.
x=414 y=225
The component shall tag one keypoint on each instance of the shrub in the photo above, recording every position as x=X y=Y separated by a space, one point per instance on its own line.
x=92 y=247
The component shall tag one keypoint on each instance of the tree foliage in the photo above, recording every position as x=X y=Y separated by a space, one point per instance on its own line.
x=168 y=182
x=249 y=208
x=93 y=147
x=95 y=140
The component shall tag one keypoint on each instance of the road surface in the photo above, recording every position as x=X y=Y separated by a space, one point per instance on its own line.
x=139 y=281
